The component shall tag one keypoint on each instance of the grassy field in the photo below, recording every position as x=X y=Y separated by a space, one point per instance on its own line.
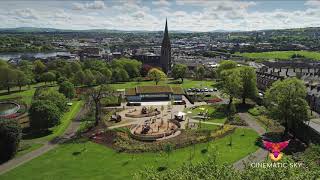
x=187 y=84
x=281 y=55
x=216 y=117
x=26 y=93
x=93 y=161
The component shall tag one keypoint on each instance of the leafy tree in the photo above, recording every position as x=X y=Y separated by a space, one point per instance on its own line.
x=232 y=84
x=43 y=115
x=107 y=74
x=124 y=75
x=88 y=78
x=156 y=75
x=75 y=67
x=22 y=79
x=286 y=102
x=48 y=77
x=226 y=65
x=39 y=67
x=8 y=77
x=55 y=97
x=10 y=135
x=145 y=69
x=179 y=71
x=61 y=79
x=67 y=88
x=96 y=94
x=249 y=83
x=200 y=71
x=99 y=77
x=131 y=66
x=79 y=78
x=120 y=75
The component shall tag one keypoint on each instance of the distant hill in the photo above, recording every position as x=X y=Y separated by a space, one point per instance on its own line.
x=39 y=30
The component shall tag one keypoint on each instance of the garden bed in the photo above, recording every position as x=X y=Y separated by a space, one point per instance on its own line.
x=120 y=139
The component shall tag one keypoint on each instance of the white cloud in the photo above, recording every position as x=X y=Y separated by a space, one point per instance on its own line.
x=138 y=15
x=161 y=3
x=89 y=5
x=25 y=13
x=313 y=3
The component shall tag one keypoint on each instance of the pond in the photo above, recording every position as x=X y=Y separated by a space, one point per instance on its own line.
x=8 y=56
x=8 y=108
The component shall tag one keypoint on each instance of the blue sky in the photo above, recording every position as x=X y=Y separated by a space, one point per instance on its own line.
x=194 y=15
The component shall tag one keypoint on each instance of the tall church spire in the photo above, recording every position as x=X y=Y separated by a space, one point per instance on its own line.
x=165 y=57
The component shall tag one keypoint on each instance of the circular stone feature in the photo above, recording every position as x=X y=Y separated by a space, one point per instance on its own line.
x=154 y=129
x=8 y=108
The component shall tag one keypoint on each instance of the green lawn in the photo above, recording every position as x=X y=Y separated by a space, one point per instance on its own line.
x=216 y=117
x=73 y=161
x=281 y=55
x=26 y=93
x=186 y=84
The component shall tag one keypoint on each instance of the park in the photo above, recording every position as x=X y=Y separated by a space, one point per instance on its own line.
x=109 y=121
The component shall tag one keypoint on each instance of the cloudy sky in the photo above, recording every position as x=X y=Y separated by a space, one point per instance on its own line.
x=195 y=15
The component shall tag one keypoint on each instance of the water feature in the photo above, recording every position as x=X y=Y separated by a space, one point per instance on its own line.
x=8 y=56
x=8 y=108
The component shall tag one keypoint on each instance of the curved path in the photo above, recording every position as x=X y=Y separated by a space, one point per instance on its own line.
x=261 y=153
x=68 y=134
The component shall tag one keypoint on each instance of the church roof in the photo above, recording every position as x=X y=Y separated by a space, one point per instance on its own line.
x=166 y=38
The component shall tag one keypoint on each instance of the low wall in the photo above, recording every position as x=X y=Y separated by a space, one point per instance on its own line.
x=143 y=115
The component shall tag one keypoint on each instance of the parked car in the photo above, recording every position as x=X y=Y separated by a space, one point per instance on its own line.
x=210 y=90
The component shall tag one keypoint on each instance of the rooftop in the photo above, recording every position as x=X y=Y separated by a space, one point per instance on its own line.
x=153 y=90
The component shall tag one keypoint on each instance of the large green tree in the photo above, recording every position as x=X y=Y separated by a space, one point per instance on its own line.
x=79 y=78
x=286 y=102
x=55 y=97
x=226 y=65
x=39 y=67
x=179 y=71
x=8 y=77
x=10 y=135
x=249 y=83
x=200 y=72
x=232 y=84
x=96 y=94
x=22 y=79
x=48 y=77
x=156 y=75
x=67 y=88
x=44 y=114
x=89 y=78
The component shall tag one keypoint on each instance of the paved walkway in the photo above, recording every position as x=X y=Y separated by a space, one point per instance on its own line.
x=261 y=153
x=69 y=133
x=314 y=124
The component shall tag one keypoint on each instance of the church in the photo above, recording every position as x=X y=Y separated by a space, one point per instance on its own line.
x=164 y=59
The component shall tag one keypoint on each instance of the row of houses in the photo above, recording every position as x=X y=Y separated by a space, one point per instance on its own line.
x=306 y=71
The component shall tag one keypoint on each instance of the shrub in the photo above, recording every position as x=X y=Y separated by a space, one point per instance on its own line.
x=257 y=111
x=44 y=114
x=55 y=97
x=67 y=88
x=236 y=120
x=10 y=135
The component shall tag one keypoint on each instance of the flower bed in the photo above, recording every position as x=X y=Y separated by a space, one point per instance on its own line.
x=120 y=139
